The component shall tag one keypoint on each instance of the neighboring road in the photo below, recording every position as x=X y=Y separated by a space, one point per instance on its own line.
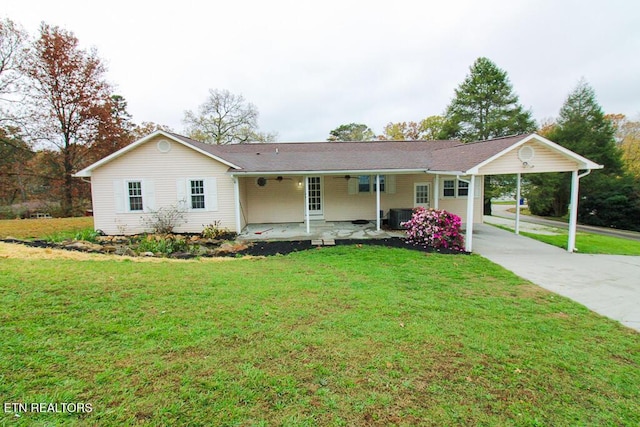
x=607 y=284
x=502 y=212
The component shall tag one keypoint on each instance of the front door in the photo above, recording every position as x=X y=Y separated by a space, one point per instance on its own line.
x=421 y=194
x=315 y=197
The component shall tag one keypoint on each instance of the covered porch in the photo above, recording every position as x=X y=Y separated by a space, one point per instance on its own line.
x=322 y=231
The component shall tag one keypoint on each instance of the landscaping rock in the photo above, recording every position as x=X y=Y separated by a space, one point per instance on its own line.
x=83 y=246
x=147 y=254
x=226 y=249
x=125 y=251
x=109 y=249
x=182 y=255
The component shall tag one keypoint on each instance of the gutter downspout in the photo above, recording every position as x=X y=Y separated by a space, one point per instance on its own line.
x=436 y=191
x=573 y=208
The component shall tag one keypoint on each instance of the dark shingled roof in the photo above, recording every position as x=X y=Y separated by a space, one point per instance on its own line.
x=356 y=156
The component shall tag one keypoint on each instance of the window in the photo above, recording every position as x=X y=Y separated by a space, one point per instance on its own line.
x=449 y=188
x=463 y=189
x=134 y=189
x=459 y=189
x=364 y=184
x=197 y=194
x=367 y=184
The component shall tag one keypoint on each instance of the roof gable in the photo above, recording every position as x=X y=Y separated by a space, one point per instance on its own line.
x=200 y=147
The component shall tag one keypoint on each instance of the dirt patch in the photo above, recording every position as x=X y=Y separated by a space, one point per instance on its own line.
x=18 y=251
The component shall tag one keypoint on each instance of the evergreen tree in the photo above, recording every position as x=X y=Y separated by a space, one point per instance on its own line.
x=604 y=194
x=485 y=106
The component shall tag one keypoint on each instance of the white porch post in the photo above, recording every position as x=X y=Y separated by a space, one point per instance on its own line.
x=518 y=203
x=306 y=204
x=377 y=202
x=236 y=194
x=470 y=202
x=573 y=211
x=436 y=192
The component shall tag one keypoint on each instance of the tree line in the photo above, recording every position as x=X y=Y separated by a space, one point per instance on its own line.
x=485 y=106
x=58 y=114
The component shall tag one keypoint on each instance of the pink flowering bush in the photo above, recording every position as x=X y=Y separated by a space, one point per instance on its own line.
x=434 y=228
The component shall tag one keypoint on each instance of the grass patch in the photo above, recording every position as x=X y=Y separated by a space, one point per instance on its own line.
x=587 y=243
x=335 y=336
x=591 y=243
x=41 y=228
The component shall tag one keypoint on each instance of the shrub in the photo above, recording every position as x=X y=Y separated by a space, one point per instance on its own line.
x=214 y=230
x=164 y=220
x=166 y=245
x=434 y=228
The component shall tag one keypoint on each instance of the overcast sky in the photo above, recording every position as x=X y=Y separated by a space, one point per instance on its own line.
x=312 y=66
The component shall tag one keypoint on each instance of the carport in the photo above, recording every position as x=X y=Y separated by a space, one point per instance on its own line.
x=515 y=156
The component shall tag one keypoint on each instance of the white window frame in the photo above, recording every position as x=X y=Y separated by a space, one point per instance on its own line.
x=192 y=194
x=128 y=195
x=462 y=186
x=458 y=187
x=415 y=194
x=444 y=188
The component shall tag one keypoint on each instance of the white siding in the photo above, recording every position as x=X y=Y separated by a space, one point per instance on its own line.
x=278 y=201
x=161 y=173
x=545 y=160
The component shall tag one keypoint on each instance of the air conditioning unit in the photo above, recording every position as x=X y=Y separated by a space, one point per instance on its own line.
x=396 y=216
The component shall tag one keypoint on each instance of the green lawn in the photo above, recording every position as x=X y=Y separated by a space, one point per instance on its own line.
x=337 y=336
x=587 y=243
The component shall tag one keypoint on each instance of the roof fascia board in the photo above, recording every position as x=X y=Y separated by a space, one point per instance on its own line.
x=329 y=172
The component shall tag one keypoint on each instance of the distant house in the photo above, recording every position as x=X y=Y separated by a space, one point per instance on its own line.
x=306 y=182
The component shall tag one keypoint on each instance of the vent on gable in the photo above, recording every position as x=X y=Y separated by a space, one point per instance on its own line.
x=164 y=146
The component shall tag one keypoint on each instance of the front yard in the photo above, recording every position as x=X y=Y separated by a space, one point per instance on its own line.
x=332 y=336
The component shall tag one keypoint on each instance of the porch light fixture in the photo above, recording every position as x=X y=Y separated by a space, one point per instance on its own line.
x=299 y=184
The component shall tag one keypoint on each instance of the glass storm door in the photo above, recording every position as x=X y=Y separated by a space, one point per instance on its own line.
x=315 y=196
x=422 y=194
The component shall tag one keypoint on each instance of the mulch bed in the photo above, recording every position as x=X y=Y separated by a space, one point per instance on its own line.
x=270 y=248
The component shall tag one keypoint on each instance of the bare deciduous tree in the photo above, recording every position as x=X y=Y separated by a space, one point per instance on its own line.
x=225 y=118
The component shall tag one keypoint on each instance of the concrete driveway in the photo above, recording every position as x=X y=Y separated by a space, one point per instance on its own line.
x=607 y=284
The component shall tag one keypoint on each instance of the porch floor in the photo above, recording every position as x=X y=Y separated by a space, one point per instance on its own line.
x=319 y=230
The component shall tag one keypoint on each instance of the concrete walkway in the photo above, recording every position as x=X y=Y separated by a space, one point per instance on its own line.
x=606 y=284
